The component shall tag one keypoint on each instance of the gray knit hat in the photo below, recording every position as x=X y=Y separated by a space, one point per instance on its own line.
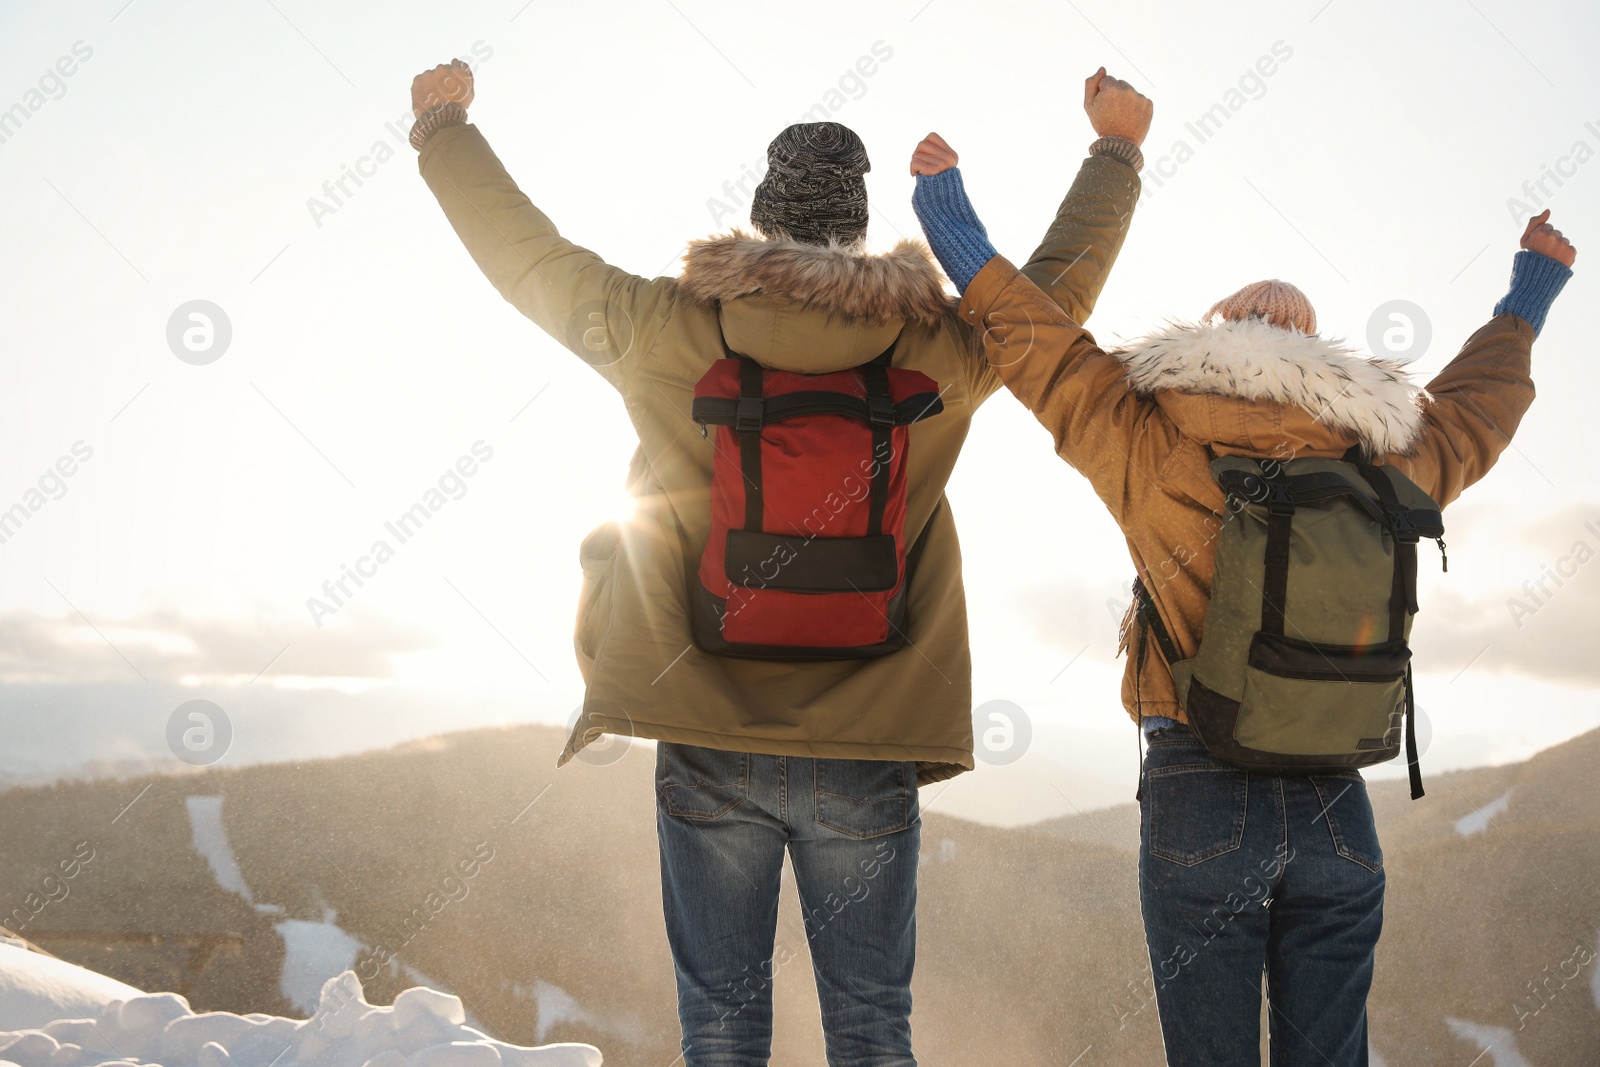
x=813 y=191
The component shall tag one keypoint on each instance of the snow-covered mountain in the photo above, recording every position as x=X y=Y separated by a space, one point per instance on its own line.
x=37 y=989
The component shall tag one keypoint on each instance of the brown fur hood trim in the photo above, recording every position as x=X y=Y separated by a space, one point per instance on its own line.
x=902 y=283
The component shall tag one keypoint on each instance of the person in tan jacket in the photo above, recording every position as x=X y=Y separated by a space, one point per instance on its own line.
x=1241 y=873
x=757 y=757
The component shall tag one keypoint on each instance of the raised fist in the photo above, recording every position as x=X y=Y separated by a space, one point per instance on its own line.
x=1545 y=239
x=1115 y=108
x=933 y=156
x=447 y=83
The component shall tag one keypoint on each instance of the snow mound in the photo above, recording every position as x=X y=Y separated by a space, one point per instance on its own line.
x=36 y=989
x=1478 y=821
x=1499 y=1042
x=424 y=1028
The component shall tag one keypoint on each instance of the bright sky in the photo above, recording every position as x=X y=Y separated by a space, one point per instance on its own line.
x=183 y=156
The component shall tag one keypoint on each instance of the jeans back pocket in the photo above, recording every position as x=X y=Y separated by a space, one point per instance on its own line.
x=865 y=798
x=1348 y=811
x=1196 y=811
x=700 y=783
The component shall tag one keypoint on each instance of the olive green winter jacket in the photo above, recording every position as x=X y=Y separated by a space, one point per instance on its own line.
x=792 y=307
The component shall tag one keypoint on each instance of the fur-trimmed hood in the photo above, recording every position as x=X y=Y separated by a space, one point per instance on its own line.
x=813 y=308
x=1369 y=401
x=901 y=283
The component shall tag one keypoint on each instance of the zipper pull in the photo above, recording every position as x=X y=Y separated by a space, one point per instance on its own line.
x=1443 y=558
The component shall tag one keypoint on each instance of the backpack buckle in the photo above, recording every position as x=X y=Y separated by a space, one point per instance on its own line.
x=1402 y=526
x=1280 y=501
x=749 y=415
x=880 y=409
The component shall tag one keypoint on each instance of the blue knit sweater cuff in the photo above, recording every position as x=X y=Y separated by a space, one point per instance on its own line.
x=952 y=226
x=1536 y=280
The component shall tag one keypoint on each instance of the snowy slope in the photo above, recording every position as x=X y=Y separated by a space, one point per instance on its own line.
x=424 y=1028
x=36 y=989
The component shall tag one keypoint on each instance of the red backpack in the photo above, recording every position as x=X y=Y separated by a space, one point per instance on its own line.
x=807 y=556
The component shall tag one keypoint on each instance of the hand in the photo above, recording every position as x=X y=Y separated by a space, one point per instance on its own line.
x=446 y=83
x=933 y=156
x=1545 y=239
x=1115 y=108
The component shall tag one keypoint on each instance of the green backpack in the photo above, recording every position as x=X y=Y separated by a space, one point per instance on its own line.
x=1303 y=666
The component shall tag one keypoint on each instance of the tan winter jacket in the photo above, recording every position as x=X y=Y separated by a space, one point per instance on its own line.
x=1143 y=423
x=792 y=307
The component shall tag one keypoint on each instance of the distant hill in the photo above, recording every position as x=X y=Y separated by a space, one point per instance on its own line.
x=1030 y=947
x=92 y=770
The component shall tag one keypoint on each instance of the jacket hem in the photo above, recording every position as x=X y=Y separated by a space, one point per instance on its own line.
x=1166 y=708
x=935 y=763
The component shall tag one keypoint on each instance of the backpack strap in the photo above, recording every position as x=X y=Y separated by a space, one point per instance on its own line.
x=1149 y=618
x=1138 y=701
x=1275 y=582
x=748 y=428
x=1403 y=596
x=880 y=409
x=1413 y=768
x=750 y=412
x=748 y=419
x=1148 y=622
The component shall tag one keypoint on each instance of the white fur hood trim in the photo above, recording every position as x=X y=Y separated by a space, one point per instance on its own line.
x=1373 y=400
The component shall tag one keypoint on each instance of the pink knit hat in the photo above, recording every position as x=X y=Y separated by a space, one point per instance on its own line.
x=1278 y=302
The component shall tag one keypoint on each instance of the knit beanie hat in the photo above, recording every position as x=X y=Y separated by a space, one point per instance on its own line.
x=1278 y=302
x=813 y=190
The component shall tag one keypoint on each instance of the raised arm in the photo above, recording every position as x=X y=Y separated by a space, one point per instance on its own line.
x=1476 y=403
x=602 y=313
x=1082 y=243
x=1079 y=393
x=1074 y=260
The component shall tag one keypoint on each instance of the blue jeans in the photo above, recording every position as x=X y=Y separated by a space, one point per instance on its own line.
x=852 y=829
x=1243 y=875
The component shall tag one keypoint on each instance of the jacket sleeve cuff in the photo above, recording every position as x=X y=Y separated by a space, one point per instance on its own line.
x=1536 y=281
x=435 y=119
x=1120 y=149
x=985 y=288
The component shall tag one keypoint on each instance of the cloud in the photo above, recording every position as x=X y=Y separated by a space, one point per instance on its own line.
x=167 y=646
x=1540 y=623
